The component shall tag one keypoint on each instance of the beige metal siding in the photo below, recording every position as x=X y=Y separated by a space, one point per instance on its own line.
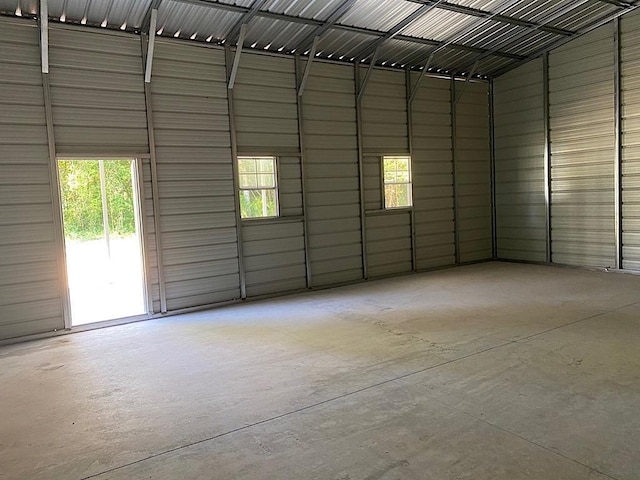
x=389 y=243
x=195 y=177
x=30 y=300
x=473 y=171
x=384 y=132
x=97 y=92
x=265 y=105
x=433 y=174
x=331 y=175
x=150 y=251
x=581 y=93
x=519 y=155
x=630 y=71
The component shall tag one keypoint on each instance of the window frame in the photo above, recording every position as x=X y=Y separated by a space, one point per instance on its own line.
x=384 y=183
x=275 y=188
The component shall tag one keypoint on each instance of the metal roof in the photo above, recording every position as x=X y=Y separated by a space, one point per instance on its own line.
x=483 y=37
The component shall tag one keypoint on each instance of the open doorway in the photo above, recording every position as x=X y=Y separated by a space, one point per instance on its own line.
x=100 y=210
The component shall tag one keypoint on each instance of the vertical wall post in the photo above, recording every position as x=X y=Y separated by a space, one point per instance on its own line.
x=363 y=220
x=456 y=226
x=492 y=137
x=547 y=155
x=154 y=184
x=303 y=177
x=618 y=146
x=412 y=215
x=56 y=208
x=236 y=184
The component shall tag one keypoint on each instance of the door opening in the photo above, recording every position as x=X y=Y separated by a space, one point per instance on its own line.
x=100 y=210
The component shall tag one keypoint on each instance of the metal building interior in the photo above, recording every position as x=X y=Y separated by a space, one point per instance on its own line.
x=363 y=239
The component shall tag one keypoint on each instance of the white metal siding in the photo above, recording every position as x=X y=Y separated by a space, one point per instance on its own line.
x=150 y=250
x=473 y=171
x=331 y=175
x=433 y=174
x=630 y=71
x=97 y=92
x=581 y=93
x=519 y=155
x=195 y=177
x=30 y=300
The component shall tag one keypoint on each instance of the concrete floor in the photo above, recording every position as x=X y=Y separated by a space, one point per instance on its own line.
x=492 y=371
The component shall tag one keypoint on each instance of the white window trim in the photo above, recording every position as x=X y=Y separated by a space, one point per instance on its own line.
x=384 y=183
x=275 y=188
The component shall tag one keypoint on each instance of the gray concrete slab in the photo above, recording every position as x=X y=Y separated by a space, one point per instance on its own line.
x=496 y=371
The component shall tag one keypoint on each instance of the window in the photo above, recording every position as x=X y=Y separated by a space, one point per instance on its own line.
x=258 y=187
x=397 y=182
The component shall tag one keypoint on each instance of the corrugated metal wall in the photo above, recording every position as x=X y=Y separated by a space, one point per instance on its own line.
x=472 y=160
x=384 y=132
x=519 y=123
x=433 y=173
x=30 y=300
x=99 y=109
x=581 y=98
x=331 y=174
x=96 y=92
x=266 y=116
x=195 y=177
x=630 y=72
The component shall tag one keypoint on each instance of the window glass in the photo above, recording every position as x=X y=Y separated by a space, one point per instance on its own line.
x=258 y=187
x=397 y=182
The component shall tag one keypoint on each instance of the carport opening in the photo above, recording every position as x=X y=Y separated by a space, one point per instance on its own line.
x=100 y=209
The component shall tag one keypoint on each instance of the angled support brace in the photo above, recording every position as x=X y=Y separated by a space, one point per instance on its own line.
x=236 y=58
x=466 y=82
x=153 y=24
x=307 y=70
x=414 y=89
x=44 y=35
x=369 y=72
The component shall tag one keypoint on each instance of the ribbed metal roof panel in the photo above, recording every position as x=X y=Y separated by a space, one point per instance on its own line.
x=379 y=14
x=185 y=20
x=439 y=25
x=303 y=8
x=271 y=34
x=19 y=8
x=343 y=45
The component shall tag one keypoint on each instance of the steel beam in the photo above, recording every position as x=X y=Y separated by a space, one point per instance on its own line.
x=44 y=36
x=145 y=26
x=255 y=7
x=592 y=26
x=363 y=87
x=474 y=12
x=303 y=176
x=395 y=30
x=346 y=28
x=414 y=89
x=236 y=58
x=307 y=70
x=466 y=82
x=492 y=152
x=153 y=23
x=335 y=16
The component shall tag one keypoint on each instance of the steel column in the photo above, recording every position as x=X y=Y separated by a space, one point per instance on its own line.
x=236 y=181
x=154 y=186
x=547 y=155
x=618 y=147
x=363 y=220
x=303 y=177
x=412 y=215
x=492 y=152
x=456 y=226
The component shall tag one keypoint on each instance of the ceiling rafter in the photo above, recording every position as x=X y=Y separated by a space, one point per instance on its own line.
x=338 y=26
x=335 y=16
x=474 y=12
x=146 y=20
x=246 y=18
x=395 y=30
